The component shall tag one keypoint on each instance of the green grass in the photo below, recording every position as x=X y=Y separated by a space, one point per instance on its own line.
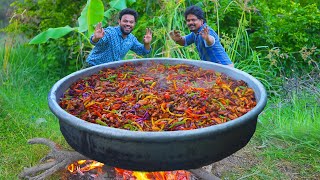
x=285 y=145
x=24 y=113
x=290 y=131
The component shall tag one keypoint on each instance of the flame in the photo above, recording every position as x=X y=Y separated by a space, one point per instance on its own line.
x=83 y=166
x=161 y=175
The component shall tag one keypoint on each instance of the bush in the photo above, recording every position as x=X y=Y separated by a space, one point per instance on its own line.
x=287 y=25
x=36 y=16
x=31 y=18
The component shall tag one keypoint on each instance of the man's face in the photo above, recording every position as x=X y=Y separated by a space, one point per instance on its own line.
x=193 y=22
x=127 y=23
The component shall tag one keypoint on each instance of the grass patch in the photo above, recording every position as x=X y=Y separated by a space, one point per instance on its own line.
x=289 y=131
x=15 y=152
x=24 y=113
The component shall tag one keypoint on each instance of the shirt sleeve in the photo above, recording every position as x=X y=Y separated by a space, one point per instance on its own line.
x=214 y=35
x=205 y=42
x=188 y=39
x=103 y=40
x=219 y=50
x=91 y=41
x=138 y=47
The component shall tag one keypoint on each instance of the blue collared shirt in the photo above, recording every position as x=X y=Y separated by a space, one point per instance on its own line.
x=112 y=47
x=214 y=53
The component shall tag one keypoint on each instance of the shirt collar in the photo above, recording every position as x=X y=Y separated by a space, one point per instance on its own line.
x=119 y=30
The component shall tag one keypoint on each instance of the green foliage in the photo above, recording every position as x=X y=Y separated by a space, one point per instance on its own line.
x=290 y=31
x=22 y=66
x=287 y=25
x=36 y=16
x=90 y=16
x=121 y=4
x=53 y=33
x=4 y=10
x=32 y=17
x=257 y=68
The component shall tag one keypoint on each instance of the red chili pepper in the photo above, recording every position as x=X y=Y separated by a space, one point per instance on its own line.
x=166 y=96
x=147 y=78
x=98 y=114
x=116 y=106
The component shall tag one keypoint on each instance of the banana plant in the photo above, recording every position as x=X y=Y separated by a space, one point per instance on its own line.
x=121 y=4
x=91 y=14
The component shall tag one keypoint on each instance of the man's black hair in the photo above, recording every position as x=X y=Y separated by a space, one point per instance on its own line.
x=195 y=10
x=129 y=11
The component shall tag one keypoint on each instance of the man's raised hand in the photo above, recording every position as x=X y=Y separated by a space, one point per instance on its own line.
x=205 y=33
x=148 y=36
x=206 y=36
x=98 y=33
x=175 y=35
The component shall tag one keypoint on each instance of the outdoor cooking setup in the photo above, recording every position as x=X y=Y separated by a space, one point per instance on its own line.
x=157 y=151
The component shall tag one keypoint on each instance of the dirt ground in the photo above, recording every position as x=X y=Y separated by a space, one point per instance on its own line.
x=245 y=159
x=242 y=159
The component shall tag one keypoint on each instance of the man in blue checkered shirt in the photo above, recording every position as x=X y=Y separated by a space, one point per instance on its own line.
x=205 y=38
x=113 y=43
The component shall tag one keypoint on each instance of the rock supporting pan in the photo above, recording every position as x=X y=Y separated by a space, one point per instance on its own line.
x=155 y=151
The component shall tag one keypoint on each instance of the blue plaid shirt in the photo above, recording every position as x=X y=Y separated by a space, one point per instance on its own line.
x=112 y=47
x=214 y=53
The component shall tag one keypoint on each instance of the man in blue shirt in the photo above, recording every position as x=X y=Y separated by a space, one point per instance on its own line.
x=113 y=43
x=205 y=38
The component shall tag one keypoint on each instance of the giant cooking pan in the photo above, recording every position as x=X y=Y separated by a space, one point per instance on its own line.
x=155 y=151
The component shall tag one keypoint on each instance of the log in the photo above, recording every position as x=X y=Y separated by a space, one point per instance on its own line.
x=58 y=159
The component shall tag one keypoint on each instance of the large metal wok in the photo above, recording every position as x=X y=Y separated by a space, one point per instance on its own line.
x=155 y=151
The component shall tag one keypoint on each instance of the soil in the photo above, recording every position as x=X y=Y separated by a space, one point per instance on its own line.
x=247 y=158
x=242 y=159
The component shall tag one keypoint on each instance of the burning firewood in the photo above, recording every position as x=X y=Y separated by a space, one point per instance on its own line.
x=58 y=159
x=55 y=160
